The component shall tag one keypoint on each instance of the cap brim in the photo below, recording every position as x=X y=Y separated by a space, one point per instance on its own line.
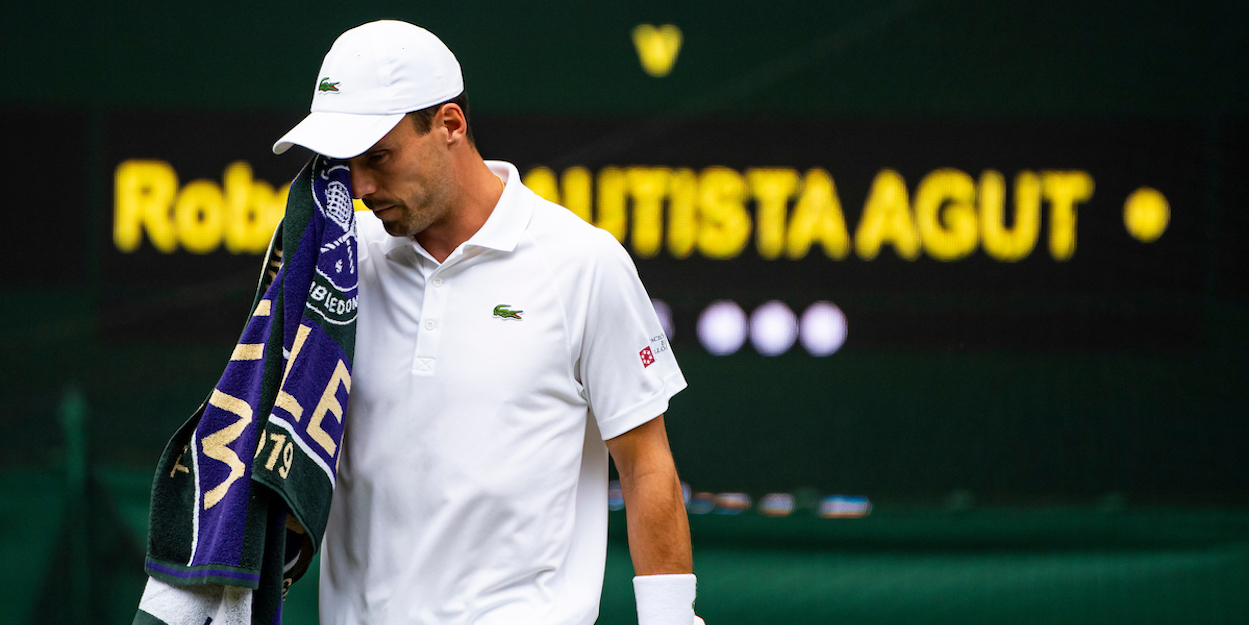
x=338 y=135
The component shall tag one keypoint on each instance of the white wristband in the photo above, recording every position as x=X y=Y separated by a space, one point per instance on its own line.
x=665 y=599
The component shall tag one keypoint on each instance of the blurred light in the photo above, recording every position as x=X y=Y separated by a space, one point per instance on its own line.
x=685 y=493
x=1146 y=214
x=732 y=503
x=773 y=328
x=722 y=327
x=776 y=504
x=615 y=497
x=823 y=329
x=664 y=312
x=702 y=503
x=843 y=507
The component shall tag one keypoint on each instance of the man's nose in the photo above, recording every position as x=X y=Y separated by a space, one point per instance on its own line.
x=361 y=183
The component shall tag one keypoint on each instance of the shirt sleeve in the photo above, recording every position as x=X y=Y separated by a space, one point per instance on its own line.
x=626 y=366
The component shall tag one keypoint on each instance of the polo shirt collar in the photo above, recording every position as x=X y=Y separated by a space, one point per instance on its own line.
x=510 y=217
x=504 y=226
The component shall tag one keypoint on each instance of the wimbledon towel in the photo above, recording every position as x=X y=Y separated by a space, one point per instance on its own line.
x=242 y=492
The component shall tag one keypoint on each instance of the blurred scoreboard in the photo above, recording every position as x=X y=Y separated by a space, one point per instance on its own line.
x=918 y=235
x=1024 y=310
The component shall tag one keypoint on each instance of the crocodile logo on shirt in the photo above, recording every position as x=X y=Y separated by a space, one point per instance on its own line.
x=503 y=311
x=327 y=86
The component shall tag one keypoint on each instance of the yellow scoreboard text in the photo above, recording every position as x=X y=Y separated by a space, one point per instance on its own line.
x=715 y=212
x=708 y=212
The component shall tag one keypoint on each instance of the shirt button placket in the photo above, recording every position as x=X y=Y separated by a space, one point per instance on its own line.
x=434 y=304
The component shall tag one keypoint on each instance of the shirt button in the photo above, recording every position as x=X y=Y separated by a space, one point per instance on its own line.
x=437 y=282
x=431 y=324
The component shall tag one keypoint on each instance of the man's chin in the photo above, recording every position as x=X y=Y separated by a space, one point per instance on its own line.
x=396 y=228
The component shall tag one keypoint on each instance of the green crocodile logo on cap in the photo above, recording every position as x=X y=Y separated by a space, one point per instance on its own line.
x=327 y=86
x=503 y=311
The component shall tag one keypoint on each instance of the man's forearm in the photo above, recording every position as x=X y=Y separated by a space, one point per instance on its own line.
x=659 y=532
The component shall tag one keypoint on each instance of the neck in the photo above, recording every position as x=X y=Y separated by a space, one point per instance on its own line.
x=479 y=190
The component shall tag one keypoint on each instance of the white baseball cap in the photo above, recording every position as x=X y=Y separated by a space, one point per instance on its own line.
x=371 y=77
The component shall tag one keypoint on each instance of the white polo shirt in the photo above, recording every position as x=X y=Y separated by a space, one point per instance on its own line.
x=472 y=483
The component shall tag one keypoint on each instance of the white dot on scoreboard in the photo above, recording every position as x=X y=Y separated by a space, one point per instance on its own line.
x=722 y=328
x=822 y=329
x=773 y=328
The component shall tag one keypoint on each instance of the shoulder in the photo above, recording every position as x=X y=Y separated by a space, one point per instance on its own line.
x=565 y=238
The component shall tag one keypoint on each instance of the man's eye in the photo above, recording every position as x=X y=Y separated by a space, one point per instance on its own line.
x=377 y=159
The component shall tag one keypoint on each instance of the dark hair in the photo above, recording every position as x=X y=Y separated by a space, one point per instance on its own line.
x=424 y=118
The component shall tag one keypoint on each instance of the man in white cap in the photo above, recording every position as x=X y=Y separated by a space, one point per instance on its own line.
x=504 y=347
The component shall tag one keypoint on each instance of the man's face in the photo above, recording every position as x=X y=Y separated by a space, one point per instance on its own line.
x=405 y=179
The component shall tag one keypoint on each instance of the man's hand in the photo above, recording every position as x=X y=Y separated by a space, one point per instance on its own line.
x=659 y=532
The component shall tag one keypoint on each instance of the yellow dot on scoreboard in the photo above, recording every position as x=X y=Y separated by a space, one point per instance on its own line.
x=1146 y=214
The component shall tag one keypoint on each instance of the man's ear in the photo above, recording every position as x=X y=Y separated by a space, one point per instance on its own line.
x=451 y=117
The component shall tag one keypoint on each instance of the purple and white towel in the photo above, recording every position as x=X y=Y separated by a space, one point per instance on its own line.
x=242 y=492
